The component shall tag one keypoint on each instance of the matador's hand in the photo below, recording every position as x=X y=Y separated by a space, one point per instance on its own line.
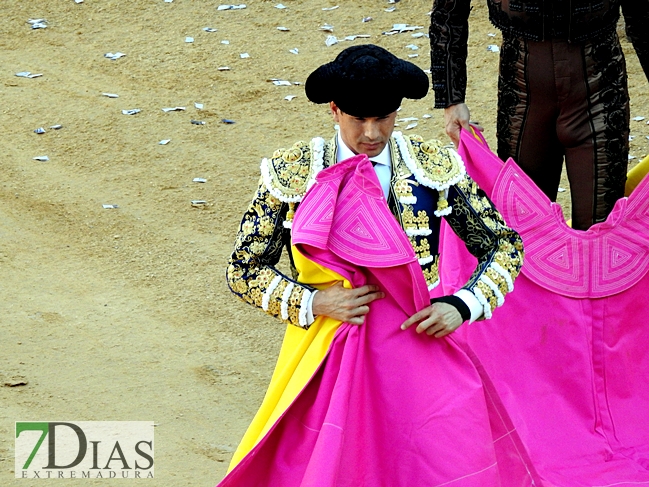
x=438 y=319
x=346 y=305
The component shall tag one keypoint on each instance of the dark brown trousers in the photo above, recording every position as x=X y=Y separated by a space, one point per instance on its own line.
x=567 y=101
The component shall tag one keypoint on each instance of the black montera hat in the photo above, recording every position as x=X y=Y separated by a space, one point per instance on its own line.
x=366 y=81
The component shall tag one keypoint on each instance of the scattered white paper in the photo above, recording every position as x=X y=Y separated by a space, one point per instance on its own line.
x=356 y=36
x=417 y=35
x=331 y=40
x=631 y=137
x=408 y=119
x=230 y=7
x=197 y=122
x=114 y=56
x=294 y=51
x=367 y=19
x=638 y=119
x=244 y=55
x=561 y=190
x=283 y=29
x=78 y=1
x=631 y=157
x=209 y=29
x=111 y=95
x=56 y=127
x=411 y=126
x=327 y=27
x=189 y=39
x=199 y=202
x=330 y=8
x=413 y=55
x=491 y=34
x=493 y=48
x=39 y=130
x=164 y=141
x=38 y=23
x=426 y=115
x=412 y=47
x=132 y=111
x=289 y=97
x=27 y=74
x=169 y=1
x=280 y=6
x=225 y=42
x=223 y=68
x=391 y=9
x=173 y=109
x=199 y=180
x=281 y=82
x=41 y=158
x=110 y=207
x=198 y=106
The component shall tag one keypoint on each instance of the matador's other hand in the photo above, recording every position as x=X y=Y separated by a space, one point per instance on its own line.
x=346 y=305
x=456 y=117
x=438 y=319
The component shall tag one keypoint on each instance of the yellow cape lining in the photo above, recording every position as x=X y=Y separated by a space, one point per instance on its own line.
x=301 y=354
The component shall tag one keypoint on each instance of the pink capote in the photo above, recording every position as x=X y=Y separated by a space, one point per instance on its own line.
x=569 y=350
x=386 y=407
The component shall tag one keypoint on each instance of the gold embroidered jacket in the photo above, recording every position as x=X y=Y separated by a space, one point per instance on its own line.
x=428 y=182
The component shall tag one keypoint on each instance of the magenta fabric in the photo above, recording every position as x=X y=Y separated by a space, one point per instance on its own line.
x=386 y=407
x=568 y=352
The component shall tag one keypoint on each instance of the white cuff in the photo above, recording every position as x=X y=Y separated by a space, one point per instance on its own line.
x=472 y=302
x=309 y=309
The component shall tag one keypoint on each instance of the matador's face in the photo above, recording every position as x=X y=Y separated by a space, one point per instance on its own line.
x=364 y=135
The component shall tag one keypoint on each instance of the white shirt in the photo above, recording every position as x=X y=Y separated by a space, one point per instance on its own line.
x=383 y=168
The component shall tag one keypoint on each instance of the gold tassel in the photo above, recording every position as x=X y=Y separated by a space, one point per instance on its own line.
x=442 y=203
x=291 y=212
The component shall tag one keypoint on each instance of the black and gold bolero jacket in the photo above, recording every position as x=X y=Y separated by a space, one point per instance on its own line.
x=428 y=182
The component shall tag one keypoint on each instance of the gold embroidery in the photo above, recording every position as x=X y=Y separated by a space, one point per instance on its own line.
x=489 y=295
x=421 y=246
x=290 y=170
x=432 y=273
x=410 y=221
x=498 y=280
x=436 y=161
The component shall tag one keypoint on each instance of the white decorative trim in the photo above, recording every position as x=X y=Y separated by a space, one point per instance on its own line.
x=426 y=260
x=285 y=297
x=433 y=285
x=492 y=285
x=486 y=309
x=268 y=182
x=418 y=232
x=408 y=200
x=265 y=300
x=287 y=224
x=418 y=172
x=500 y=270
x=317 y=164
x=317 y=159
x=444 y=212
x=304 y=305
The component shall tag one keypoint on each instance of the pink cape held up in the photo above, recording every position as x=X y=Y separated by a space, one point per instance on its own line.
x=385 y=407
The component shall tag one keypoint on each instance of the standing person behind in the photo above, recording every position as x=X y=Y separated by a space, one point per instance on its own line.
x=562 y=90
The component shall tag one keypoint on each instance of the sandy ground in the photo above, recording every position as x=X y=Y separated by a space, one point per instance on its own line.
x=123 y=314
